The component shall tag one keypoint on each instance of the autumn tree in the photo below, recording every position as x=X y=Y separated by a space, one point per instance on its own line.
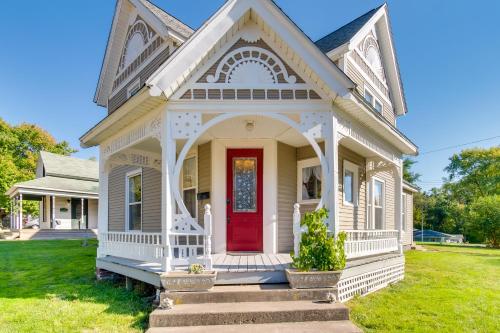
x=20 y=148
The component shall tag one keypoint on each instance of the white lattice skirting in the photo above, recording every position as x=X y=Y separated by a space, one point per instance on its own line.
x=368 y=282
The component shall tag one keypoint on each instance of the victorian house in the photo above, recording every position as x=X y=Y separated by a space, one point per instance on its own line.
x=217 y=140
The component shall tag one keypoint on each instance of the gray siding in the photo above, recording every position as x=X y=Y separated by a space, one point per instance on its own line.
x=287 y=195
x=121 y=96
x=408 y=233
x=151 y=199
x=352 y=217
x=204 y=176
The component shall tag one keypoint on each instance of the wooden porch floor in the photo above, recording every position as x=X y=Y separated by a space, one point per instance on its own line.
x=252 y=262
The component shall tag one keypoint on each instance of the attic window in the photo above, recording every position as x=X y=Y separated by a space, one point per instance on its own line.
x=134 y=88
x=373 y=101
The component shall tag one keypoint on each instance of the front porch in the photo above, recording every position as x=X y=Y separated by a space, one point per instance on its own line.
x=307 y=160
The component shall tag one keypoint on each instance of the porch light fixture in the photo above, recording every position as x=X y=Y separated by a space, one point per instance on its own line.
x=250 y=125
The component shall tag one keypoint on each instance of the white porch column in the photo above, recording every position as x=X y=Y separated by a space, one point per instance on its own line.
x=11 y=214
x=168 y=157
x=398 y=174
x=332 y=158
x=20 y=212
x=102 y=208
x=53 y=215
x=81 y=214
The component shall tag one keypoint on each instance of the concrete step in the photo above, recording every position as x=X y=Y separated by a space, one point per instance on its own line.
x=247 y=313
x=49 y=234
x=249 y=293
x=339 y=326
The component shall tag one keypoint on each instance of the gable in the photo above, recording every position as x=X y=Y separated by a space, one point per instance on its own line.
x=248 y=70
x=367 y=41
x=141 y=34
x=221 y=32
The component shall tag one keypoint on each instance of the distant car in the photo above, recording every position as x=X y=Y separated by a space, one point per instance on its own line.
x=34 y=224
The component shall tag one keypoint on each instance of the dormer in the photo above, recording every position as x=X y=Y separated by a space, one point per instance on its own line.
x=142 y=37
x=364 y=50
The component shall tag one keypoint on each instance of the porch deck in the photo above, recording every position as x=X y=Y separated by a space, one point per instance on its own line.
x=231 y=268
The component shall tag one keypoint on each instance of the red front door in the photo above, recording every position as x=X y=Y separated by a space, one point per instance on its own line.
x=244 y=199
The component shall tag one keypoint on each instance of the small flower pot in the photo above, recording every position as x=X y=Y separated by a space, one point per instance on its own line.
x=312 y=279
x=183 y=281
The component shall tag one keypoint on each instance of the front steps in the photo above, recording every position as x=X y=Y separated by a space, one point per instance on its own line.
x=273 y=308
x=339 y=326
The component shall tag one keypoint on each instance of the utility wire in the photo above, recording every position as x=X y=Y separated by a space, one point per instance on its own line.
x=459 y=145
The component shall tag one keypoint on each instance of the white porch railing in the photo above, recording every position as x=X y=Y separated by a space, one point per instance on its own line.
x=132 y=245
x=362 y=243
x=359 y=243
x=190 y=243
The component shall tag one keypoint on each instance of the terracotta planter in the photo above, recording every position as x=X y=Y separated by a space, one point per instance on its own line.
x=312 y=279
x=183 y=281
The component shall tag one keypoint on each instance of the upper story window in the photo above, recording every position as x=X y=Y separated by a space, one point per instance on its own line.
x=309 y=180
x=350 y=184
x=134 y=201
x=373 y=101
x=190 y=185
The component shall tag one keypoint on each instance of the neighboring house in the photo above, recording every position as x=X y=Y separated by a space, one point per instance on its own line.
x=436 y=236
x=67 y=189
x=213 y=136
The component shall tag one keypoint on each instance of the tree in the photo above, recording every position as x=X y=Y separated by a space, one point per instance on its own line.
x=474 y=173
x=408 y=175
x=20 y=148
x=484 y=219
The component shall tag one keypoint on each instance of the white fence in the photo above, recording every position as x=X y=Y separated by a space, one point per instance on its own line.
x=362 y=243
x=131 y=245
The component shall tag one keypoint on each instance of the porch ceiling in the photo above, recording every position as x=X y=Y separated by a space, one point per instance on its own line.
x=263 y=128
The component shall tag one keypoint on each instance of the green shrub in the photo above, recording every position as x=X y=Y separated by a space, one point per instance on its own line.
x=196 y=269
x=318 y=250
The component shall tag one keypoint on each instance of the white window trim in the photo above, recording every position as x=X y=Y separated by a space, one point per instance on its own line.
x=375 y=99
x=311 y=162
x=371 y=205
x=128 y=175
x=134 y=85
x=189 y=156
x=354 y=168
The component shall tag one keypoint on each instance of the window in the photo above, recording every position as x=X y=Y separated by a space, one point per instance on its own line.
x=369 y=97
x=350 y=184
x=376 y=204
x=378 y=106
x=373 y=101
x=134 y=201
x=189 y=185
x=134 y=88
x=404 y=212
x=309 y=181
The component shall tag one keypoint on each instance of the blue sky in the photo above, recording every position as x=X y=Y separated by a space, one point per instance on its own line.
x=448 y=52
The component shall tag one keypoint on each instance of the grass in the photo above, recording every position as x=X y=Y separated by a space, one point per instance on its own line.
x=50 y=286
x=449 y=288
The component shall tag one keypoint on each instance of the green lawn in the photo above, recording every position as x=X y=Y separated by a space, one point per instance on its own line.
x=50 y=286
x=447 y=289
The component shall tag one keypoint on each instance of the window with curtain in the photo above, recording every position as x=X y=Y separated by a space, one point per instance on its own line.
x=189 y=185
x=349 y=186
x=309 y=174
x=134 y=201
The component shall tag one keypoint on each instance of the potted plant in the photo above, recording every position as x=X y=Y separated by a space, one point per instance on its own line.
x=321 y=257
x=195 y=279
